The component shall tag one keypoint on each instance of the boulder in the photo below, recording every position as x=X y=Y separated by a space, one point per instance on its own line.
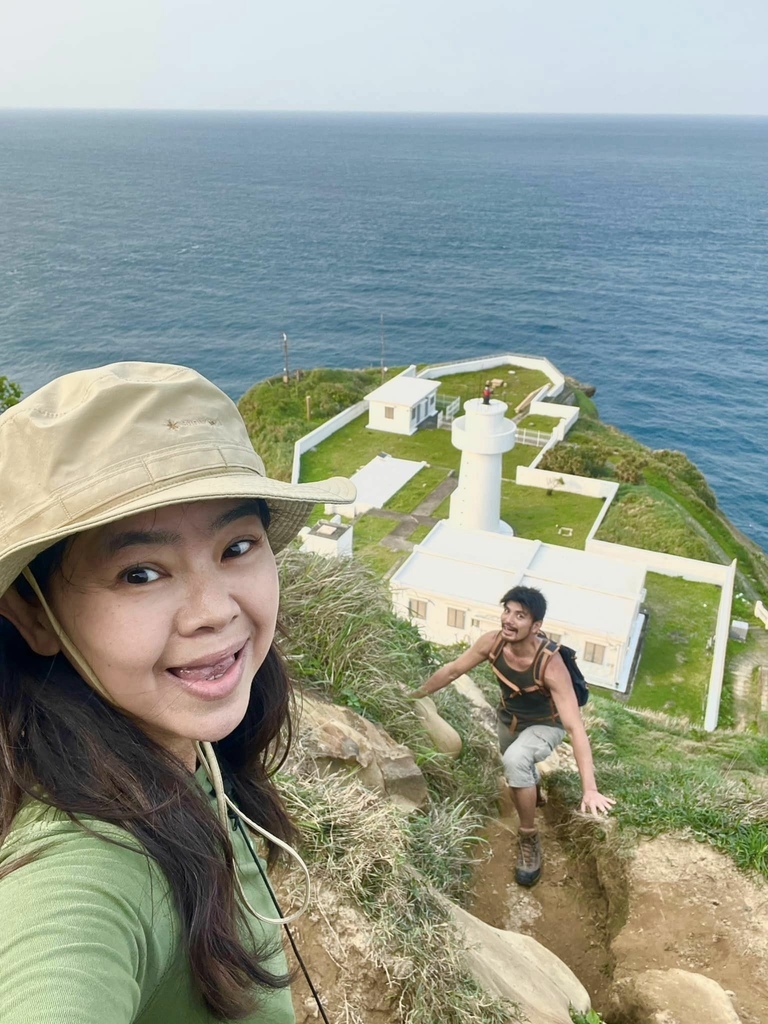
x=672 y=997
x=443 y=736
x=483 y=710
x=339 y=740
x=518 y=968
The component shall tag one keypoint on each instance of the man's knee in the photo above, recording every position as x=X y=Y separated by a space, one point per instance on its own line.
x=519 y=766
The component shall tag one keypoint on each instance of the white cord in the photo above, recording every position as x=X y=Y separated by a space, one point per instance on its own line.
x=207 y=758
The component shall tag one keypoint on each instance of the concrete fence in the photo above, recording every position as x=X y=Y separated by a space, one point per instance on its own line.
x=325 y=430
x=535 y=438
x=322 y=433
x=566 y=415
x=761 y=613
x=492 y=362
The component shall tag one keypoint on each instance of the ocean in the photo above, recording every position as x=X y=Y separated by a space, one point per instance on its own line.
x=631 y=251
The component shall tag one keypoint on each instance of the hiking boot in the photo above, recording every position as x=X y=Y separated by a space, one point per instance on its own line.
x=528 y=866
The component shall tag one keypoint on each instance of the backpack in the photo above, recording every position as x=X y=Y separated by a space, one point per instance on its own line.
x=545 y=652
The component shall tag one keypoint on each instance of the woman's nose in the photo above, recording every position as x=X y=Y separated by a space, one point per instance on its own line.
x=208 y=604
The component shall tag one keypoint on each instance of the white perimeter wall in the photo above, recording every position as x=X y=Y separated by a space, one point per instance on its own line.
x=325 y=430
x=491 y=362
x=568 y=414
x=314 y=437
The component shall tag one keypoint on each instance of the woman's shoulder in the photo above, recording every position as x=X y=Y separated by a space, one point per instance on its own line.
x=85 y=887
x=58 y=857
x=38 y=827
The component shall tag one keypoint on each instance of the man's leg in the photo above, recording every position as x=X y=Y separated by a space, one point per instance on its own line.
x=519 y=756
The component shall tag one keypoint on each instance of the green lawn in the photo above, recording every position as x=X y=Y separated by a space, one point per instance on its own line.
x=419 y=534
x=520 y=455
x=645 y=517
x=417 y=489
x=546 y=424
x=536 y=515
x=354 y=446
x=367 y=532
x=470 y=385
x=673 y=674
x=370 y=529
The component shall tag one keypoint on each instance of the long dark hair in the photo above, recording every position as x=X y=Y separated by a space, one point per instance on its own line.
x=112 y=771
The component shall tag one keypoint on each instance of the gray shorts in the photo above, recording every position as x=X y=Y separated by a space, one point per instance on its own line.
x=519 y=754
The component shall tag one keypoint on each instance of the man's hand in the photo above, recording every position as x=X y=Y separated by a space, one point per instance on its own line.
x=595 y=803
x=416 y=694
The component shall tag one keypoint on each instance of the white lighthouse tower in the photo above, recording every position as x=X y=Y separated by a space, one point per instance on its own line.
x=482 y=435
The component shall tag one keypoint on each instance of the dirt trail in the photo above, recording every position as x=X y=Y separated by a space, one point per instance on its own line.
x=674 y=904
x=566 y=911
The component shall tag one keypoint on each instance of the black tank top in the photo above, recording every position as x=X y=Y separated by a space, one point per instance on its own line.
x=519 y=710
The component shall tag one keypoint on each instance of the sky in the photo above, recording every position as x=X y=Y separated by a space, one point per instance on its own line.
x=493 y=56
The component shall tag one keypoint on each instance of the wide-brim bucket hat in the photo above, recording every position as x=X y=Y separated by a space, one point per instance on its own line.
x=95 y=446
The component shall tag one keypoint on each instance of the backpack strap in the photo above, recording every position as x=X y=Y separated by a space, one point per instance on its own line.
x=543 y=655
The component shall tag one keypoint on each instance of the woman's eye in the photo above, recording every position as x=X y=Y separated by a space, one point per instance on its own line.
x=141 y=574
x=240 y=547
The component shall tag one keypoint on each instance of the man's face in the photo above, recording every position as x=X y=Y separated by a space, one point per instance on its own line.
x=517 y=622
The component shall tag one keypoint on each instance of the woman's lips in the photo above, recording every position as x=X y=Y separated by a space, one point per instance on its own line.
x=214 y=679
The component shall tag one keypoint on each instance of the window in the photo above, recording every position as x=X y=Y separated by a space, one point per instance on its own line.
x=456 y=618
x=389 y=412
x=413 y=413
x=594 y=653
x=417 y=609
x=475 y=623
x=555 y=637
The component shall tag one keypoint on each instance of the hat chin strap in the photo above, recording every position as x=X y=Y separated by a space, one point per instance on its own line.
x=205 y=754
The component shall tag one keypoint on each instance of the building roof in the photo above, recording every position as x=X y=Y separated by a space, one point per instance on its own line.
x=380 y=478
x=404 y=391
x=589 y=592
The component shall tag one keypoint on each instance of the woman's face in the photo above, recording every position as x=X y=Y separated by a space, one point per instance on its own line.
x=174 y=610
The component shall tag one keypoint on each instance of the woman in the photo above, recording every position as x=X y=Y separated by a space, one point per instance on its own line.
x=139 y=596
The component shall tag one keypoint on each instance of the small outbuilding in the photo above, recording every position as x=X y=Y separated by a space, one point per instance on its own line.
x=402 y=404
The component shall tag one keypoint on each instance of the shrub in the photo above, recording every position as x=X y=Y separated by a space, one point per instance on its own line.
x=10 y=393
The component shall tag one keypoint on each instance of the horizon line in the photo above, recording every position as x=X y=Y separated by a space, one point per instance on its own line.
x=374 y=113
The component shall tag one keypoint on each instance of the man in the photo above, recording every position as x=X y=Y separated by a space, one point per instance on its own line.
x=533 y=716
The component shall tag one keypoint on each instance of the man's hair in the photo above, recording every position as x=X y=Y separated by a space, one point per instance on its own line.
x=530 y=598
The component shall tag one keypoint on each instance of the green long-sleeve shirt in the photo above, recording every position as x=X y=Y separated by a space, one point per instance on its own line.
x=89 y=933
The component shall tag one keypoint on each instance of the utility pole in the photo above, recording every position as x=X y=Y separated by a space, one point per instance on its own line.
x=286 y=376
x=382 y=348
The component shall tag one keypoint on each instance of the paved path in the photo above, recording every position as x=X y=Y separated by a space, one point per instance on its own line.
x=436 y=497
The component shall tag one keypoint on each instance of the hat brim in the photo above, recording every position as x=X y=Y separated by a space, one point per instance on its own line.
x=289 y=505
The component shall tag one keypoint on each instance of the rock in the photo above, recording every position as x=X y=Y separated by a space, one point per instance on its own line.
x=485 y=713
x=443 y=735
x=685 y=905
x=672 y=997
x=518 y=968
x=339 y=740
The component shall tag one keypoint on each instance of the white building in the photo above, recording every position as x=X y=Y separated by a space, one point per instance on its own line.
x=328 y=537
x=400 y=405
x=452 y=583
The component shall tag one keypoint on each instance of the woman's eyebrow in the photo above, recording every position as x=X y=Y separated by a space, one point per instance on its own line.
x=244 y=510
x=132 y=538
